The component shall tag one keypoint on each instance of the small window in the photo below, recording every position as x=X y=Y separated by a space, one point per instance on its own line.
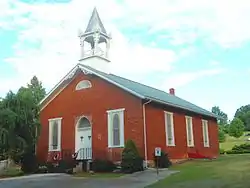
x=189 y=128
x=205 y=133
x=55 y=134
x=169 y=128
x=116 y=128
x=84 y=84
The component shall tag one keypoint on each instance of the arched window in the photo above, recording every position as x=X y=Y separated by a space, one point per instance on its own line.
x=84 y=123
x=116 y=130
x=84 y=84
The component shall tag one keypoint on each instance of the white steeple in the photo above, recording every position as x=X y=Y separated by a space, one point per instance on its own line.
x=93 y=52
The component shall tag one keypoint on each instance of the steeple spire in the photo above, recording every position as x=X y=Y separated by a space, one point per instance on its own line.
x=95 y=23
x=94 y=35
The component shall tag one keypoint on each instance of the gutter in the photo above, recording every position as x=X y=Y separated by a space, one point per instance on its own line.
x=145 y=133
x=181 y=107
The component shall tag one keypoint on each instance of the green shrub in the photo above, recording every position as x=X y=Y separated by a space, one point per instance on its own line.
x=163 y=160
x=239 y=149
x=66 y=166
x=42 y=169
x=50 y=167
x=100 y=165
x=131 y=159
x=29 y=163
x=222 y=151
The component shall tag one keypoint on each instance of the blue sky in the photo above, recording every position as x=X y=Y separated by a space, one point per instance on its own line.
x=201 y=49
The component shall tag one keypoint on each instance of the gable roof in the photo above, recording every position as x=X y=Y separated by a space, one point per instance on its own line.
x=140 y=90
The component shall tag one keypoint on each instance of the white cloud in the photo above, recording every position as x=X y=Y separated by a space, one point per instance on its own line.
x=59 y=48
x=54 y=27
x=224 y=22
x=181 y=79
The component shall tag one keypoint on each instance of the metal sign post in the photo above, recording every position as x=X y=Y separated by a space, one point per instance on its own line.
x=157 y=155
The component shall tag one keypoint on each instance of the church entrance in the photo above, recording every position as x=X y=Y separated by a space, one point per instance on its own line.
x=83 y=139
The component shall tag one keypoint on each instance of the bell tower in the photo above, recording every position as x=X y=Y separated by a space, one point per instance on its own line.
x=95 y=44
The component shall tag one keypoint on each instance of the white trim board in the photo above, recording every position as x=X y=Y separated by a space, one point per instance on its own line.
x=172 y=128
x=110 y=114
x=191 y=129
x=82 y=68
x=59 y=141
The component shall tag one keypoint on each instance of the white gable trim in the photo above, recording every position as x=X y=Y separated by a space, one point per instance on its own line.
x=115 y=83
x=58 y=84
x=83 y=69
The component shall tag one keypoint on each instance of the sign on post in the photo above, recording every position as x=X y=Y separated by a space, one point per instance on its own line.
x=157 y=152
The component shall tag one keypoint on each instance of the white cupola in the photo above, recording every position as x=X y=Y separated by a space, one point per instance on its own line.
x=95 y=44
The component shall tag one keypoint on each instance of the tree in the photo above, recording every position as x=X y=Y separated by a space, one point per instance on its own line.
x=243 y=113
x=236 y=128
x=223 y=118
x=38 y=91
x=19 y=119
x=222 y=136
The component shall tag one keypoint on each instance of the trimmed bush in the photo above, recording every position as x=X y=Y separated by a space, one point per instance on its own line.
x=131 y=160
x=99 y=165
x=163 y=160
x=239 y=149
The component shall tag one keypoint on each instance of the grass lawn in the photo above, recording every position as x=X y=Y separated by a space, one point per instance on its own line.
x=229 y=171
x=98 y=175
x=231 y=141
x=11 y=172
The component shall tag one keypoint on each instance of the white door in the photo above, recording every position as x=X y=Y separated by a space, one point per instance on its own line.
x=83 y=144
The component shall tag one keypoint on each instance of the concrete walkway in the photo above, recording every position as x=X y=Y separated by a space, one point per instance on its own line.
x=136 y=180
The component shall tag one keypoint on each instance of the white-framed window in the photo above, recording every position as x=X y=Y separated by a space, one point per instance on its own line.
x=116 y=128
x=190 y=133
x=84 y=84
x=205 y=133
x=169 y=128
x=55 y=134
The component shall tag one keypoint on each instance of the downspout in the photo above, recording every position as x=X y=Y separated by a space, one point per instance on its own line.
x=145 y=133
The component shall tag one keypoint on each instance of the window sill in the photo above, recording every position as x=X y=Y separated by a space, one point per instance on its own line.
x=191 y=146
x=171 y=145
x=51 y=150
x=116 y=146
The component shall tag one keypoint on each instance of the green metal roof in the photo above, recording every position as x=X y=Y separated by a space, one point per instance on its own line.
x=154 y=94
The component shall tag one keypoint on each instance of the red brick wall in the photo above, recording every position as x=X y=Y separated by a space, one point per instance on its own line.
x=156 y=137
x=103 y=96
x=92 y=102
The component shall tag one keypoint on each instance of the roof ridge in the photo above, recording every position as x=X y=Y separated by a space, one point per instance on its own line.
x=157 y=89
